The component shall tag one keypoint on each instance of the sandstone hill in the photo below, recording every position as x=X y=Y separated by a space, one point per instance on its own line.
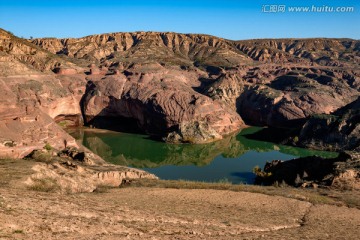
x=176 y=87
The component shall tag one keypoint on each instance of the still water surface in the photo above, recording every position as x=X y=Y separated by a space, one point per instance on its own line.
x=230 y=159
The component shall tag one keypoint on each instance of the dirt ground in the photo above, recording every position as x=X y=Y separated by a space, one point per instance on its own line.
x=163 y=213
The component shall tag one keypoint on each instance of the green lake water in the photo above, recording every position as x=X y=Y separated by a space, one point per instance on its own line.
x=232 y=158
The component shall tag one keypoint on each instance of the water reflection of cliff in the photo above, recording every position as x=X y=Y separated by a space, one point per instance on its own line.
x=141 y=152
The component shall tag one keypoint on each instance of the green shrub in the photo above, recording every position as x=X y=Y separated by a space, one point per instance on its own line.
x=48 y=147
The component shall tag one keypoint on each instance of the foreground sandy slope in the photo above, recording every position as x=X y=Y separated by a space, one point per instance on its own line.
x=159 y=213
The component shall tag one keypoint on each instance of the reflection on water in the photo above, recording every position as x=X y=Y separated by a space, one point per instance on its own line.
x=232 y=158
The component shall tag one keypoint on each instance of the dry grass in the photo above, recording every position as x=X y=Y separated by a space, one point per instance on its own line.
x=315 y=196
x=44 y=185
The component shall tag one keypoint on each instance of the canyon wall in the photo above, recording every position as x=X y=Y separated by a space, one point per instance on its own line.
x=176 y=87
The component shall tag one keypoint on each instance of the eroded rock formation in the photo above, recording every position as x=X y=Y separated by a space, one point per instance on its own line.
x=182 y=87
x=337 y=131
x=342 y=172
x=162 y=102
x=71 y=171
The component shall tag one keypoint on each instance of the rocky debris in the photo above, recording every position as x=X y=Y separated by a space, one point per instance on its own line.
x=342 y=172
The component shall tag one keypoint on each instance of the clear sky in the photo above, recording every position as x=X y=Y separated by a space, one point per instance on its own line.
x=232 y=19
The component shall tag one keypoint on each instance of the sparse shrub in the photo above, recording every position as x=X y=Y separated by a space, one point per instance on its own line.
x=48 y=147
x=102 y=189
x=256 y=169
x=262 y=174
x=32 y=85
x=44 y=185
x=224 y=180
x=40 y=156
x=63 y=124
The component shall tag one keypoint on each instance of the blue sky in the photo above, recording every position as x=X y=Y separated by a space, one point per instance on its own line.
x=232 y=19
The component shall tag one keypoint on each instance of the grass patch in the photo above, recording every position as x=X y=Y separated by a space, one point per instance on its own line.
x=44 y=185
x=41 y=155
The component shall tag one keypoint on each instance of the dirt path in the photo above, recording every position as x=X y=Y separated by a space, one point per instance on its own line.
x=159 y=213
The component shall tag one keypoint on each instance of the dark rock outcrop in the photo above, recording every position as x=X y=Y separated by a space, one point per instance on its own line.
x=338 y=131
x=340 y=172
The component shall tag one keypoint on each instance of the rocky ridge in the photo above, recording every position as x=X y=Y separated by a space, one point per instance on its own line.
x=72 y=170
x=342 y=172
x=179 y=87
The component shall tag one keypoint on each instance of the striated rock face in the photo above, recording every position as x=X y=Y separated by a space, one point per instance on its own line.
x=27 y=105
x=162 y=103
x=227 y=88
x=329 y=52
x=19 y=49
x=170 y=48
x=289 y=99
x=76 y=171
x=31 y=97
x=204 y=49
x=338 y=131
x=181 y=87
